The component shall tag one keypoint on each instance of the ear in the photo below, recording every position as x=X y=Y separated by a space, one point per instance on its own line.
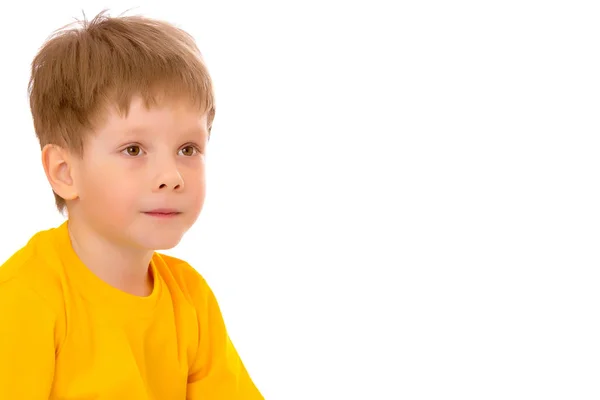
x=58 y=165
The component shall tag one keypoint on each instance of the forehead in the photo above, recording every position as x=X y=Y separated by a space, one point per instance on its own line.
x=172 y=116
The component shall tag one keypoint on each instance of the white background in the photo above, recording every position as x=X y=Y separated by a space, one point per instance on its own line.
x=402 y=199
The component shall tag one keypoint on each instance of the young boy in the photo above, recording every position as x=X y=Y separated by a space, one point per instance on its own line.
x=123 y=109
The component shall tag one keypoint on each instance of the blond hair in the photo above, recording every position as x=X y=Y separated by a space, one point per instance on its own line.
x=80 y=71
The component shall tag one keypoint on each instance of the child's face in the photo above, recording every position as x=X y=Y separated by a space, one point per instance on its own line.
x=153 y=160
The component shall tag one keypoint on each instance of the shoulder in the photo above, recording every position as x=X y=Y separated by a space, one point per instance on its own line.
x=20 y=263
x=31 y=277
x=34 y=265
x=18 y=297
x=23 y=306
x=181 y=275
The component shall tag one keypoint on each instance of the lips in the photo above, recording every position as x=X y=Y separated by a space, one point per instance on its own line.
x=162 y=212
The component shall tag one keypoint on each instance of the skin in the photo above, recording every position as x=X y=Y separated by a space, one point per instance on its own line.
x=152 y=159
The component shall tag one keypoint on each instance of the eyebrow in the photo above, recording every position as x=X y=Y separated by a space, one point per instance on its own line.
x=137 y=130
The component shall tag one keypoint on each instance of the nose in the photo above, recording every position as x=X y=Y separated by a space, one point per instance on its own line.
x=168 y=177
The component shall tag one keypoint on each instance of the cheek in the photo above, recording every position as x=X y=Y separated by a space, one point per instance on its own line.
x=196 y=188
x=197 y=183
x=106 y=188
x=199 y=199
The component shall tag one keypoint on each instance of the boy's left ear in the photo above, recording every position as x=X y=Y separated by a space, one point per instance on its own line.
x=58 y=166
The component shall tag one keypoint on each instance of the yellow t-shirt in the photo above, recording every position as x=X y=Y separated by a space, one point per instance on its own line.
x=65 y=334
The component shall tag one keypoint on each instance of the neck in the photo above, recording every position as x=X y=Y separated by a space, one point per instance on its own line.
x=121 y=266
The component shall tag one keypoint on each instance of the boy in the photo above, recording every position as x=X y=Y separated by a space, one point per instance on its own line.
x=123 y=109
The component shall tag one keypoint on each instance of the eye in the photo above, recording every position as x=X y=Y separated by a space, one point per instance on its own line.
x=133 y=150
x=188 y=151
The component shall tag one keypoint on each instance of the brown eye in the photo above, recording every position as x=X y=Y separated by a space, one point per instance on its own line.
x=188 y=151
x=133 y=151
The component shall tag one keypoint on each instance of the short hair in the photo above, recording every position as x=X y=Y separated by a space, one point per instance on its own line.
x=80 y=71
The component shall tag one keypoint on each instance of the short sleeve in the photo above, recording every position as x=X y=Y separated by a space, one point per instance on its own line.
x=27 y=343
x=217 y=372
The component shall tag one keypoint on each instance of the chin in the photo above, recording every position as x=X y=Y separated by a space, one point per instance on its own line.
x=161 y=243
x=156 y=234
x=164 y=247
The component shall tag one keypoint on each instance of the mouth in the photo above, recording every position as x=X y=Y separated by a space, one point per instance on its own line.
x=162 y=213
